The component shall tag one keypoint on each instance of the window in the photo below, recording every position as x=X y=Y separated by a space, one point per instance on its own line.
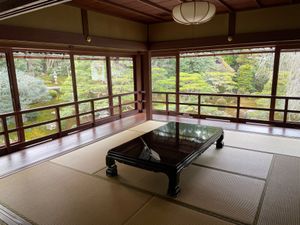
x=288 y=84
x=6 y=101
x=91 y=79
x=5 y=93
x=123 y=81
x=245 y=71
x=163 y=71
x=43 y=79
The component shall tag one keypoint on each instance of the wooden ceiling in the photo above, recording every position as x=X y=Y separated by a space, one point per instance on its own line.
x=153 y=11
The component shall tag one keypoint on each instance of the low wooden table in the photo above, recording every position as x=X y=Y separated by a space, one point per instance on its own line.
x=167 y=149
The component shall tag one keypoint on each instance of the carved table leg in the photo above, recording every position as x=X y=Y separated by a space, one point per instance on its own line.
x=111 y=170
x=173 y=188
x=220 y=142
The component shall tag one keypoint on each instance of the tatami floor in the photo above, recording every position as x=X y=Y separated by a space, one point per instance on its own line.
x=254 y=179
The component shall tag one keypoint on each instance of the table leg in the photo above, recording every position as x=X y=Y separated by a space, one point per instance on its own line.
x=173 y=188
x=220 y=142
x=111 y=170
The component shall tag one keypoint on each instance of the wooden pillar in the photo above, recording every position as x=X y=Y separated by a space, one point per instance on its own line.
x=177 y=80
x=109 y=86
x=231 y=26
x=15 y=94
x=74 y=83
x=147 y=83
x=85 y=25
x=274 y=83
x=138 y=81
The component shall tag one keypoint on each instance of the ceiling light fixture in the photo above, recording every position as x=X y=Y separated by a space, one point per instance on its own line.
x=193 y=12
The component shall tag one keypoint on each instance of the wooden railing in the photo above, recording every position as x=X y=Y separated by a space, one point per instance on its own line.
x=113 y=112
x=236 y=106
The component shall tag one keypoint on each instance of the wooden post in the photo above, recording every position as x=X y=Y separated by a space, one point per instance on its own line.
x=147 y=84
x=177 y=82
x=138 y=82
x=74 y=83
x=58 y=118
x=109 y=86
x=274 y=84
x=231 y=26
x=15 y=94
x=85 y=25
x=286 y=108
x=238 y=108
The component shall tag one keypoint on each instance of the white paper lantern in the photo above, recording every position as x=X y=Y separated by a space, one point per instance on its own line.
x=194 y=12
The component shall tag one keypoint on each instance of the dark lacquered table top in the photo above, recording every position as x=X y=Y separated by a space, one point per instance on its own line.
x=169 y=144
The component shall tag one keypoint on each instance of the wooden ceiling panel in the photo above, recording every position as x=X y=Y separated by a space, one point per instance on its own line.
x=152 y=11
x=275 y=2
x=240 y=5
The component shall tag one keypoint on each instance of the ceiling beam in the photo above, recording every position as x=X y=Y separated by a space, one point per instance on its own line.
x=231 y=26
x=155 y=5
x=259 y=4
x=226 y=5
x=85 y=24
x=128 y=9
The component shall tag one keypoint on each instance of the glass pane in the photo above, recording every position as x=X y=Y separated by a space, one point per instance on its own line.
x=172 y=107
x=100 y=104
x=159 y=97
x=40 y=131
x=172 y=98
x=280 y=103
x=127 y=108
x=43 y=79
x=294 y=105
x=278 y=116
x=5 y=94
x=11 y=122
x=159 y=106
x=293 y=117
x=13 y=137
x=115 y=101
x=219 y=100
x=226 y=72
x=188 y=109
x=122 y=75
x=189 y=99
x=116 y=110
x=218 y=111
x=85 y=107
x=289 y=74
x=86 y=118
x=68 y=124
x=255 y=102
x=102 y=114
x=67 y=111
x=2 y=142
x=39 y=116
x=128 y=99
x=91 y=76
x=1 y=125
x=254 y=114
x=163 y=74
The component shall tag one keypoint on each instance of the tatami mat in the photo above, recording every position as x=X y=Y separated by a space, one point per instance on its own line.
x=148 y=126
x=50 y=194
x=281 y=205
x=230 y=195
x=265 y=143
x=235 y=160
x=91 y=158
x=161 y=212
